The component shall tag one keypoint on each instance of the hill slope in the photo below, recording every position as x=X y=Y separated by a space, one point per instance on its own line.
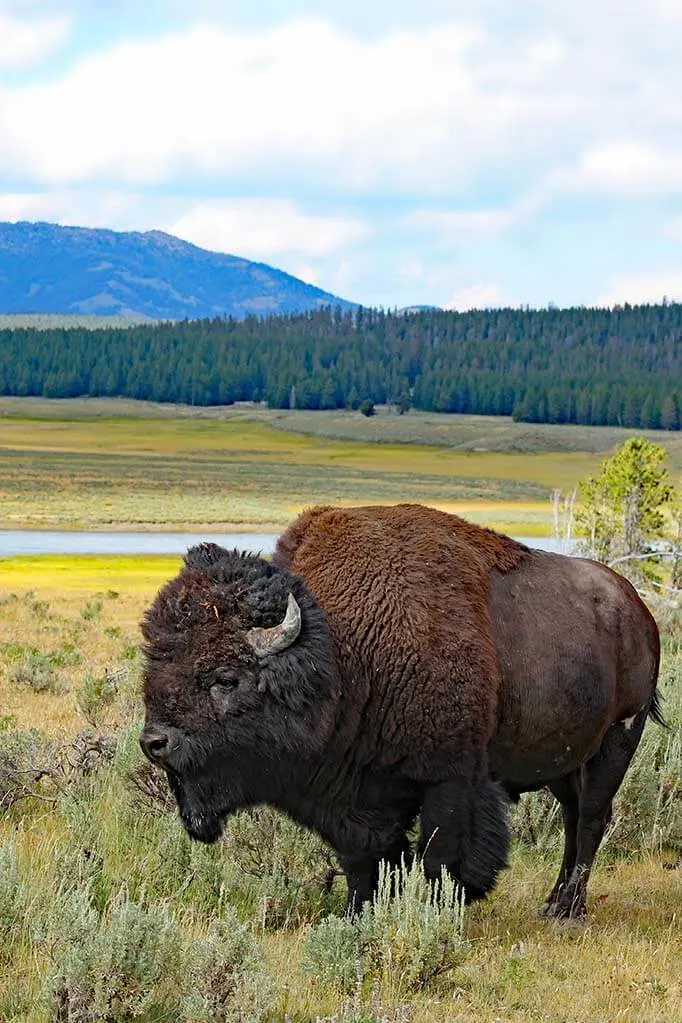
x=46 y=268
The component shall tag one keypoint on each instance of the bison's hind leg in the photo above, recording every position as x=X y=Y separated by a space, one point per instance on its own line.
x=601 y=778
x=467 y=833
x=567 y=791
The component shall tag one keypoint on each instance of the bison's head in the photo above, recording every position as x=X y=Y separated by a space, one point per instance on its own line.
x=238 y=683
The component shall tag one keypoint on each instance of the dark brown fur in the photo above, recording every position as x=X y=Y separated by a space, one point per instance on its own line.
x=433 y=655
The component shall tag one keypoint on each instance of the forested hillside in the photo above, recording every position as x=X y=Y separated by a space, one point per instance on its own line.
x=592 y=366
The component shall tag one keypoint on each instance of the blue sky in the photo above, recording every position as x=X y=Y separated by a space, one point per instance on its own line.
x=460 y=154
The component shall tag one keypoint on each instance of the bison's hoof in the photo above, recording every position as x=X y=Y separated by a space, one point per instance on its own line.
x=571 y=914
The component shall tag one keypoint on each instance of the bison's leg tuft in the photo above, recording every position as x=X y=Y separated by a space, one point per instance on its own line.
x=466 y=832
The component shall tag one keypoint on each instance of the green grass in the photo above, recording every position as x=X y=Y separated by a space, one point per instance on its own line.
x=97 y=845
x=49 y=321
x=75 y=465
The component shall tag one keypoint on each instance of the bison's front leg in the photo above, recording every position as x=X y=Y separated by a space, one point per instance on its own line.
x=362 y=873
x=464 y=829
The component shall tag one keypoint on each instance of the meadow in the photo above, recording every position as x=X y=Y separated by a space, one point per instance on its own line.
x=109 y=913
x=104 y=463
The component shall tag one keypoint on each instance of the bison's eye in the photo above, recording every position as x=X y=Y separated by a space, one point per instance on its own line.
x=225 y=677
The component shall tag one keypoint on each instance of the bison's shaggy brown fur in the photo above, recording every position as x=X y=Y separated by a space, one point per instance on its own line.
x=432 y=657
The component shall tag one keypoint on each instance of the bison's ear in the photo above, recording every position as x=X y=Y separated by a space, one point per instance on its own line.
x=204 y=555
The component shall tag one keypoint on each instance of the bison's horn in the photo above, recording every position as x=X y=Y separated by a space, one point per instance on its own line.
x=271 y=641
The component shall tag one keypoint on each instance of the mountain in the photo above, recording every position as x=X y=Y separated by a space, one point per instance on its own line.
x=46 y=268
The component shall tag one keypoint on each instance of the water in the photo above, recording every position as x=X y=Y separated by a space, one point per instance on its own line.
x=27 y=541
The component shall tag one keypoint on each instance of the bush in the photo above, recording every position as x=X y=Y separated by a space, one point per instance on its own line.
x=91 y=609
x=277 y=870
x=12 y=899
x=367 y=407
x=97 y=694
x=409 y=936
x=32 y=765
x=109 y=969
x=36 y=671
x=27 y=762
x=332 y=953
x=224 y=976
x=413 y=931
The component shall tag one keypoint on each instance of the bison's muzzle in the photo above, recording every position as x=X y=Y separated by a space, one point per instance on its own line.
x=155 y=743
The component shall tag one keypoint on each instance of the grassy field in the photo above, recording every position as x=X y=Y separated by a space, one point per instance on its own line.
x=50 y=321
x=98 y=880
x=91 y=463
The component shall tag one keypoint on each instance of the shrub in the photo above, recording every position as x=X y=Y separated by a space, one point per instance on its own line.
x=91 y=609
x=27 y=763
x=96 y=695
x=332 y=953
x=36 y=671
x=32 y=765
x=277 y=870
x=367 y=407
x=413 y=931
x=536 y=820
x=224 y=976
x=409 y=936
x=109 y=968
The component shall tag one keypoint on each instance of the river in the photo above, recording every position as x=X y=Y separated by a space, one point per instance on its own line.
x=30 y=541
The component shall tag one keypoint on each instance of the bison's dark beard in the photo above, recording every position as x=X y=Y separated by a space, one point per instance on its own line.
x=203 y=824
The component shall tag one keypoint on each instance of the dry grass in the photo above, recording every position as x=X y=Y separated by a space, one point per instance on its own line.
x=623 y=965
x=116 y=463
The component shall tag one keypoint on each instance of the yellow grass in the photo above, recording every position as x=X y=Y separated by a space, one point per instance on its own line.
x=123 y=585
x=76 y=575
x=105 y=463
x=187 y=473
x=237 y=439
x=622 y=967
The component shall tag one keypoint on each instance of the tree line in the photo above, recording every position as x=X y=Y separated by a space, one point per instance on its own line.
x=620 y=366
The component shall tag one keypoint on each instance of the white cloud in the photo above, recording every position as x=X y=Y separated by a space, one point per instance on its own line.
x=672 y=229
x=305 y=99
x=623 y=169
x=475 y=296
x=460 y=224
x=91 y=207
x=24 y=42
x=644 y=289
x=261 y=228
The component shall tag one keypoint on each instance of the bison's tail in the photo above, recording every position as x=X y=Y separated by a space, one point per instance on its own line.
x=655 y=712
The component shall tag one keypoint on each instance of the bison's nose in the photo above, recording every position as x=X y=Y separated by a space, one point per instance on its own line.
x=154 y=743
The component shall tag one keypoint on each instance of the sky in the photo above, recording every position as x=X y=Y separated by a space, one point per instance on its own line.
x=497 y=153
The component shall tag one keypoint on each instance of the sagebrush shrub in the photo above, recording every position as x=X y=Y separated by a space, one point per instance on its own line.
x=95 y=696
x=36 y=671
x=109 y=968
x=408 y=936
x=224 y=977
x=277 y=870
x=332 y=953
x=413 y=931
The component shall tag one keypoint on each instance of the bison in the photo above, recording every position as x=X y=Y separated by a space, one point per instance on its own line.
x=396 y=663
